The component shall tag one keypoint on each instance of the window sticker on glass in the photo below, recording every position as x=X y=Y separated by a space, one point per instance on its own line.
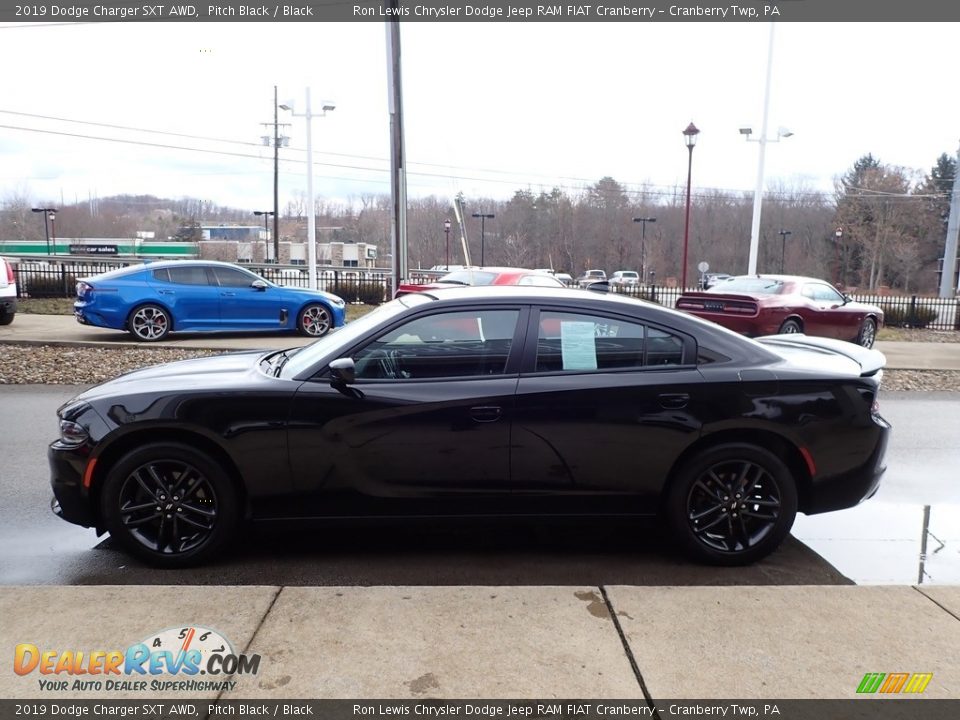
x=578 y=345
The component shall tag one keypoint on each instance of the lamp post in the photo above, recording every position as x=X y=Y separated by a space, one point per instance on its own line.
x=483 y=218
x=690 y=138
x=266 y=232
x=643 y=245
x=783 y=246
x=758 y=190
x=312 y=211
x=446 y=231
x=841 y=264
x=51 y=215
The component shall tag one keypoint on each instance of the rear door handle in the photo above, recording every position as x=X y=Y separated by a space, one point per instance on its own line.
x=486 y=413
x=673 y=401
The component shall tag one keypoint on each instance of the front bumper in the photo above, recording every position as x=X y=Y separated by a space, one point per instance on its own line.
x=71 y=500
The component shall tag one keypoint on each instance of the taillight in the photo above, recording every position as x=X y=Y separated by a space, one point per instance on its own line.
x=10 y=277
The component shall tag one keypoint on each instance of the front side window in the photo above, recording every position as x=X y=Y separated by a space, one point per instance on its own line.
x=231 y=277
x=471 y=343
x=573 y=342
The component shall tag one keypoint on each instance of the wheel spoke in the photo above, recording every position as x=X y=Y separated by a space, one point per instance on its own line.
x=700 y=515
x=702 y=529
x=143 y=520
x=140 y=481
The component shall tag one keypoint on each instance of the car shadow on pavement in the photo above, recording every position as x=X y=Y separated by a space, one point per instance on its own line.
x=477 y=553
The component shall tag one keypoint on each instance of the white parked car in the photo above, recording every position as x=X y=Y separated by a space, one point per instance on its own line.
x=625 y=277
x=8 y=292
x=591 y=276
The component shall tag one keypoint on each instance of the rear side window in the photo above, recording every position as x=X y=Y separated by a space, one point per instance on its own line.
x=573 y=342
x=189 y=275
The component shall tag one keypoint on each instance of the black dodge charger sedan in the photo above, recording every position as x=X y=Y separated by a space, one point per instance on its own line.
x=480 y=401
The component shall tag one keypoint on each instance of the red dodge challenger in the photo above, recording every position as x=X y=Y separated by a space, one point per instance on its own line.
x=756 y=305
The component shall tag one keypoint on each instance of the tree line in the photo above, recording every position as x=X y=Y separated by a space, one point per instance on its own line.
x=883 y=225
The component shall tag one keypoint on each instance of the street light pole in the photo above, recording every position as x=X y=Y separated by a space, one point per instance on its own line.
x=690 y=138
x=311 y=209
x=266 y=230
x=446 y=230
x=643 y=245
x=48 y=214
x=483 y=218
x=783 y=247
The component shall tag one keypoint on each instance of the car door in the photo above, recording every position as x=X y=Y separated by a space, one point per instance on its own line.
x=190 y=294
x=604 y=405
x=245 y=307
x=827 y=316
x=428 y=415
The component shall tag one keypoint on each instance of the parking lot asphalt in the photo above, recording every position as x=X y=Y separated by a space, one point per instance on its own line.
x=749 y=642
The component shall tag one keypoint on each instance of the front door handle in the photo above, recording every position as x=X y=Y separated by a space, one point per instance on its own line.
x=673 y=401
x=486 y=413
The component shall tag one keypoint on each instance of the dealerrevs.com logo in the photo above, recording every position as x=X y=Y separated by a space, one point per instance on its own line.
x=902 y=682
x=176 y=659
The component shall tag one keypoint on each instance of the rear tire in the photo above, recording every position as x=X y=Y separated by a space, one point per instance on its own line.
x=732 y=504
x=169 y=505
x=790 y=327
x=6 y=317
x=867 y=334
x=149 y=323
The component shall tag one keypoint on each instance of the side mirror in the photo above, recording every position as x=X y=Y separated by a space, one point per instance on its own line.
x=259 y=285
x=342 y=371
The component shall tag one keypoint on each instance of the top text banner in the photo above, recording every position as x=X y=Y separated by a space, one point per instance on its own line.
x=852 y=11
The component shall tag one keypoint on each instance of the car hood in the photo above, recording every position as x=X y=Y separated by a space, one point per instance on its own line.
x=211 y=372
x=825 y=353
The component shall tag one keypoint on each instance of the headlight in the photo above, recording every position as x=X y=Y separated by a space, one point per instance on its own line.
x=72 y=433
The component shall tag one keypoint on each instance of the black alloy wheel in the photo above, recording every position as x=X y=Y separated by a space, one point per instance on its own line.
x=732 y=504
x=170 y=505
x=790 y=327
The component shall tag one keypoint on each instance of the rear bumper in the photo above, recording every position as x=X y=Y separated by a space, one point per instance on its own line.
x=749 y=326
x=848 y=489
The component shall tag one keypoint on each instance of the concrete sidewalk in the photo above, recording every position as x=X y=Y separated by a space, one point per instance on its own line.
x=510 y=642
x=64 y=330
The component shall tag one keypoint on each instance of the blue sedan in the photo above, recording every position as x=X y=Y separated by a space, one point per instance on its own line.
x=155 y=299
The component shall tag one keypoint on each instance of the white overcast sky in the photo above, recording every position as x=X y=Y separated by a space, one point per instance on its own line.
x=489 y=107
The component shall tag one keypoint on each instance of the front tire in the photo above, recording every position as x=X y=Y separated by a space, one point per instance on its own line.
x=867 y=334
x=149 y=323
x=314 y=320
x=732 y=504
x=6 y=317
x=169 y=505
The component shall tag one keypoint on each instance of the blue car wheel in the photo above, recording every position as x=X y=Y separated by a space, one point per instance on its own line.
x=149 y=323
x=314 y=320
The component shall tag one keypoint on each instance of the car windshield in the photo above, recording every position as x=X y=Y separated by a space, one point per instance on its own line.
x=354 y=329
x=749 y=285
x=469 y=277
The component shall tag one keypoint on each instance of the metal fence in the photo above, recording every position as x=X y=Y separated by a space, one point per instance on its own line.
x=43 y=280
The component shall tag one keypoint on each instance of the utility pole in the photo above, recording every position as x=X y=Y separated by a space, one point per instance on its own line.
x=276 y=140
x=948 y=287
x=398 y=162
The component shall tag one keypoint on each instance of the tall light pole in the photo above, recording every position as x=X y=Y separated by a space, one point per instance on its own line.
x=48 y=214
x=643 y=245
x=483 y=218
x=312 y=211
x=266 y=232
x=690 y=138
x=446 y=231
x=783 y=246
x=763 y=140
x=838 y=234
